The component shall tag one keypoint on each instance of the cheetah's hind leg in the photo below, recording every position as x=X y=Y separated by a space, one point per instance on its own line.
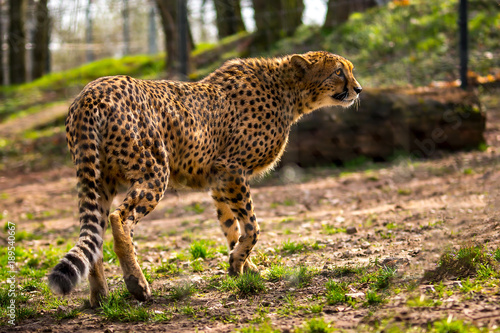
x=124 y=248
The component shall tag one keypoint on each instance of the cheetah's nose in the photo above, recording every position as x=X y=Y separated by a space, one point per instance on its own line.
x=358 y=89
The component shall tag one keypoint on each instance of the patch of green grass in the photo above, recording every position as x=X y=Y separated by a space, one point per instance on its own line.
x=329 y=229
x=404 y=191
x=147 y=275
x=117 y=307
x=315 y=308
x=108 y=253
x=69 y=314
x=26 y=312
x=222 y=249
x=316 y=325
x=486 y=271
x=169 y=268
x=287 y=220
x=195 y=208
x=197 y=265
x=263 y=328
x=277 y=272
x=182 y=291
x=317 y=246
x=343 y=271
x=200 y=249
x=483 y=146
x=302 y=276
x=28 y=306
x=452 y=326
x=250 y=283
x=383 y=277
x=469 y=171
x=356 y=163
x=336 y=292
x=467 y=261
x=373 y=298
x=188 y=310
x=467 y=285
x=245 y=284
x=422 y=301
x=287 y=202
x=298 y=276
x=290 y=247
x=22 y=235
x=162 y=316
x=391 y=226
x=261 y=315
x=289 y=306
x=496 y=254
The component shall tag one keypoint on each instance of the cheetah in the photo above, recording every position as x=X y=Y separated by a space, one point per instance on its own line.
x=213 y=134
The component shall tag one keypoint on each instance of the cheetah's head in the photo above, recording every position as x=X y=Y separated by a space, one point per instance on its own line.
x=327 y=80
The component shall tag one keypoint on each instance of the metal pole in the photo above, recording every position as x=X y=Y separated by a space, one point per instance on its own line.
x=88 y=33
x=183 y=38
x=152 y=48
x=126 y=29
x=462 y=23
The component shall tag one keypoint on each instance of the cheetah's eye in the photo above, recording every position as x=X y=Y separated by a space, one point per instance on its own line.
x=338 y=72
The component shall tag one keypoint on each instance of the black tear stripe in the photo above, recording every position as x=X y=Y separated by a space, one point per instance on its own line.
x=342 y=95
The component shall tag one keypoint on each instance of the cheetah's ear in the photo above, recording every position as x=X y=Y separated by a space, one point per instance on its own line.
x=301 y=64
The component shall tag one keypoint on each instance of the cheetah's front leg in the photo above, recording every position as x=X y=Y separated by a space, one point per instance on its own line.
x=234 y=204
x=230 y=226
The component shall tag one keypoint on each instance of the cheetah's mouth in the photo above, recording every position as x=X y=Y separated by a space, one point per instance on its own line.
x=342 y=96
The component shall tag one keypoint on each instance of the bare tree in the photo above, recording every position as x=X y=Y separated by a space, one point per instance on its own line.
x=339 y=10
x=291 y=15
x=168 y=10
x=17 y=64
x=41 y=60
x=229 y=20
x=275 y=20
x=1 y=43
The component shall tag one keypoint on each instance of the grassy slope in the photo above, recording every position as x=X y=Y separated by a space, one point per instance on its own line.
x=62 y=85
x=415 y=44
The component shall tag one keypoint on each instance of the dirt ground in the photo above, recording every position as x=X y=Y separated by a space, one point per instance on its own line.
x=401 y=215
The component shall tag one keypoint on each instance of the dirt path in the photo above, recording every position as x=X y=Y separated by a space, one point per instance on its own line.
x=13 y=128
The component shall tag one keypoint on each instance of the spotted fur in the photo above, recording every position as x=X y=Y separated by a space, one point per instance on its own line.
x=216 y=133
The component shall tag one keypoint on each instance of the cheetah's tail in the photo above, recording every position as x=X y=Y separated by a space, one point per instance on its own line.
x=75 y=265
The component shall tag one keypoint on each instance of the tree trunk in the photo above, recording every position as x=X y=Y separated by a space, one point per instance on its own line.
x=291 y=15
x=275 y=20
x=169 y=21
x=41 y=40
x=229 y=19
x=268 y=26
x=17 y=61
x=339 y=10
x=1 y=45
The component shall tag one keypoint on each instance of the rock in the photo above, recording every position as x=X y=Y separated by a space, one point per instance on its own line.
x=418 y=121
x=357 y=296
x=351 y=230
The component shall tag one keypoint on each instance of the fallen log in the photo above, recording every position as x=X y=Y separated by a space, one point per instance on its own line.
x=418 y=122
